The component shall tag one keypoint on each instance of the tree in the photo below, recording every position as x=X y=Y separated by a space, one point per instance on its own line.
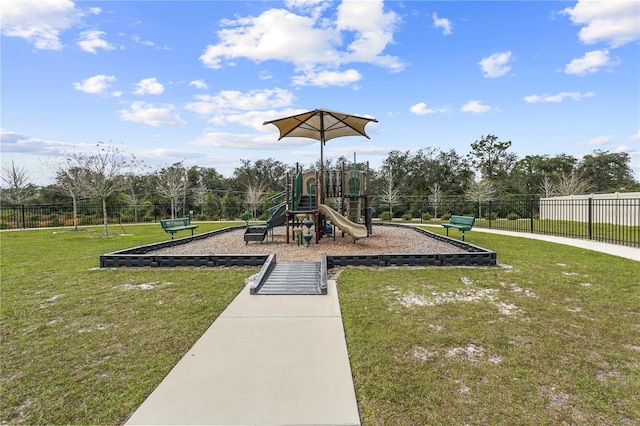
x=254 y=196
x=480 y=191
x=18 y=190
x=608 y=171
x=435 y=199
x=492 y=159
x=570 y=184
x=71 y=180
x=390 y=194
x=200 y=194
x=172 y=183
x=105 y=173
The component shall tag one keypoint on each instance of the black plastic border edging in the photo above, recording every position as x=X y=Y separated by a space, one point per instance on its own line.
x=141 y=256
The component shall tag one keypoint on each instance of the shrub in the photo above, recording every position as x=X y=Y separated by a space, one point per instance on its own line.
x=426 y=216
x=407 y=217
x=386 y=216
x=494 y=216
x=445 y=216
x=513 y=216
x=201 y=216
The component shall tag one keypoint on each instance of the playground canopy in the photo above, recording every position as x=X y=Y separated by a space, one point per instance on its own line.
x=323 y=125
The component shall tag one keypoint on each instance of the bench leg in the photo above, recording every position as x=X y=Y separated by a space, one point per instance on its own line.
x=447 y=231
x=462 y=235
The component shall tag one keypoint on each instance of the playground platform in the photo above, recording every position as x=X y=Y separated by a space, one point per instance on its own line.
x=266 y=360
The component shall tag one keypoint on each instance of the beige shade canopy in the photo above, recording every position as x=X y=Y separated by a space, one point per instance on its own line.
x=322 y=125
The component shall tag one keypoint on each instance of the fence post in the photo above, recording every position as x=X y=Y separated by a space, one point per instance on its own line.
x=590 y=216
x=24 y=222
x=155 y=212
x=490 y=214
x=531 y=214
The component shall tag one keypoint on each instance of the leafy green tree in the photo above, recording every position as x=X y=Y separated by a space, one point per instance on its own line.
x=608 y=171
x=232 y=205
x=492 y=158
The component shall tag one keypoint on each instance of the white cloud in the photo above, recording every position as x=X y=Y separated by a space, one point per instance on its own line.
x=149 y=86
x=143 y=112
x=233 y=100
x=327 y=78
x=633 y=152
x=372 y=29
x=443 y=23
x=273 y=35
x=421 y=109
x=276 y=34
x=18 y=143
x=635 y=136
x=199 y=84
x=243 y=141
x=496 y=65
x=39 y=22
x=96 y=85
x=614 y=22
x=91 y=40
x=255 y=119
x=599 y=141
x=590 y=63
x=136 y=38
x=559 y=97
x=475 y=106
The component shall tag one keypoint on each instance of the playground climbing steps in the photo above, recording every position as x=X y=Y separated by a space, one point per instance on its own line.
x=294 y=278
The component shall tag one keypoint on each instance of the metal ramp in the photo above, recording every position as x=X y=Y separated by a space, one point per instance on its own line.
x=295 y=278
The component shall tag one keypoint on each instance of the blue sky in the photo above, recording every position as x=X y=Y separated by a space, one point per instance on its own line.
x=193 y=81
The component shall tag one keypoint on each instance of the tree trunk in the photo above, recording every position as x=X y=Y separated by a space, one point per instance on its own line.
x=75 y=213
x=173 y=208
x=104 y=217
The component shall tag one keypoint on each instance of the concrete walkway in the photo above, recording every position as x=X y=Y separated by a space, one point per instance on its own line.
x=613 y=249
x=266 y=360
x=277 y=360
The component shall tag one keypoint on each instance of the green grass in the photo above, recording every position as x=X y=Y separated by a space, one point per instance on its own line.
x=551 y=340
x=87 y=346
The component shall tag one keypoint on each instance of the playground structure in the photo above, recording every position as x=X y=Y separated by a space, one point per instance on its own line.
x=339 y=199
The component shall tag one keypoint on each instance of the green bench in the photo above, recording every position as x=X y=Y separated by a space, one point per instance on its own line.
x=172 y=226
x=461 y=223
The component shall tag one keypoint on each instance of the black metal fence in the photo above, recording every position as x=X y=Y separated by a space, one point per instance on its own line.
x=614 y=221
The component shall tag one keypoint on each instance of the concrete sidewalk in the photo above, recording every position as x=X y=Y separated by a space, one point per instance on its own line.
x=266 y=360
x=613 y=249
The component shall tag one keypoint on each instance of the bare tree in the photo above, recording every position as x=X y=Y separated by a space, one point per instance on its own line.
x=570 y=184
x=547 y=186
x=172 y=183
x=200 y=194
x=105 y=173
x=390 y=194
x=480 y=191
x=254 y=196
x=16 y=179
x=71 y=180
x=435 y=199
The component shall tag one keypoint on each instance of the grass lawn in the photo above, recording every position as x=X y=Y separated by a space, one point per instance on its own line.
x=86 y=346
x=554 y=338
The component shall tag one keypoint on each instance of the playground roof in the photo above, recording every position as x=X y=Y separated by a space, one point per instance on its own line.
x=322 y=124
